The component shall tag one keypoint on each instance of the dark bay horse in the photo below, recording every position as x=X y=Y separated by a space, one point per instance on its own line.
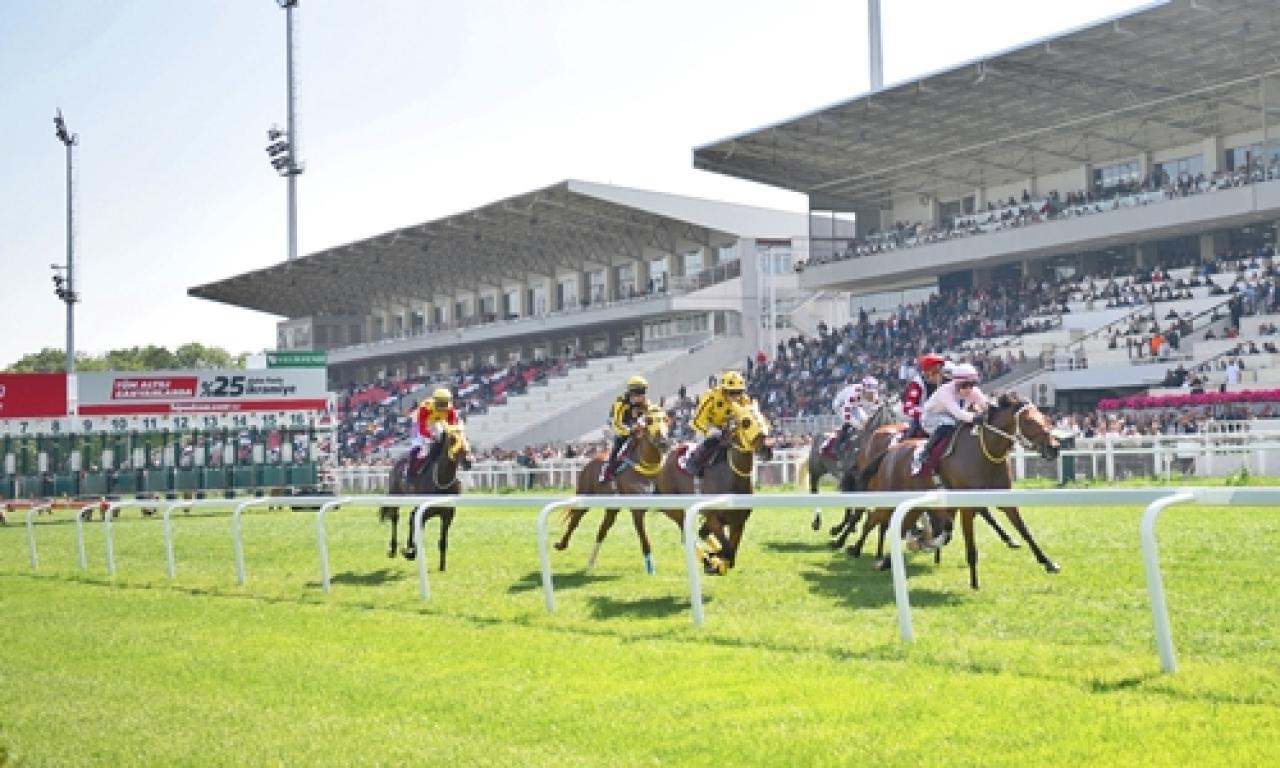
x=438 y=479
x=869 y=455
x=845 y=461
x=646 y=449
x=978 y=460
x=746 y=436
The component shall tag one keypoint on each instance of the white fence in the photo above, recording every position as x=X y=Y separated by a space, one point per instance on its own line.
x=1113 y=457
x=1155 y=499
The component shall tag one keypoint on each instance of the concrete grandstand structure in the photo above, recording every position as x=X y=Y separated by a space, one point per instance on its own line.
x=1144 y=142
x=621 y=280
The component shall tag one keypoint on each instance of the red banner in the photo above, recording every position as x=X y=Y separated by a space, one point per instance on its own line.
x=33 y=395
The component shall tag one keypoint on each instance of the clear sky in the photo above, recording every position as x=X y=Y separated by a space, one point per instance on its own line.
x=409 y=110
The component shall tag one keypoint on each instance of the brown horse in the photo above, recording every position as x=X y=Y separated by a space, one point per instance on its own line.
x=646 y=448
x=978 y=460
x=728 y=470
x=843 y=466
x=876 y=445
x=438 y=479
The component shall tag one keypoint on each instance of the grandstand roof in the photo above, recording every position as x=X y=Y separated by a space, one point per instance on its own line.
x=1164 y=76
x=563 y=226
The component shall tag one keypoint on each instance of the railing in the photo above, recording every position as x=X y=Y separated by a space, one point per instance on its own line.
x=1155 y=500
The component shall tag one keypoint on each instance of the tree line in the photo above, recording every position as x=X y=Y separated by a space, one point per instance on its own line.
x=148 y=358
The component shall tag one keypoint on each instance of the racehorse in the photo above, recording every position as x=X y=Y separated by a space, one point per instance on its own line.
x=644 y=453
x=978 y=459
x=874 y=448
x=440 y=478
x=727 y=470
x=820 y=464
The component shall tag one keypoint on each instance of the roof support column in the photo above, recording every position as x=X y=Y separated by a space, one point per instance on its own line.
x=1212 y=155
x=865 y=221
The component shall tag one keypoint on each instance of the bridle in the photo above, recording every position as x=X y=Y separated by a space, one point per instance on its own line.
x=1016 y=437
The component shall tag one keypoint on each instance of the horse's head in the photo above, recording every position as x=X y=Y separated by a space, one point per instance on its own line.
x=657 y=428
x=455 y=443
x=750 y=430
x=1024 y=421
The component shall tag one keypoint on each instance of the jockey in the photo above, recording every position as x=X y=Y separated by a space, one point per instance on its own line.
x=870 y=392
x=429 y=420
x=955 y=401
x=628 y=409
x=920 y=388
x=851 y=414
x=712 y=414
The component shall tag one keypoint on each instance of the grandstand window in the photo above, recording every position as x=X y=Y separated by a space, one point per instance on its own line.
x=692 y=263
x=1181 y=171
x=950 y=209
x=538 y=300
x=1110 y=177
x=626 y=280
x=511 y=303
x=596 y=284
x=727 y=253
x=355 y=334
x=567 y=292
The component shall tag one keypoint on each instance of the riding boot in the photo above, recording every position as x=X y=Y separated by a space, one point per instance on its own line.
x=433 y=453
x=839 y=442
x=606 y=472
x=701 y=454
x=935 y=446
x=412 y=468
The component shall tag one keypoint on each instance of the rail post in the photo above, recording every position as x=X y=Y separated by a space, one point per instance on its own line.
x=1155 y=580
x=322 y=538
x=544 y=550
x=900 y=595
x=691 y=556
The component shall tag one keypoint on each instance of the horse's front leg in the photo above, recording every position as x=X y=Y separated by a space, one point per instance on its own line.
x=446 y=520
x=1015 y=517
x=394 y=516
x=970 y=546
x=410 y=551
x=1008 y=540
x=737 y=526
x=847 y=526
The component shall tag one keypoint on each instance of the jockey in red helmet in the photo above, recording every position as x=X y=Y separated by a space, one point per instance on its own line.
x=920 y=388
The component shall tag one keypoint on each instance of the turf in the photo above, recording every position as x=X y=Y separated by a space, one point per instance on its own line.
x=798 y=664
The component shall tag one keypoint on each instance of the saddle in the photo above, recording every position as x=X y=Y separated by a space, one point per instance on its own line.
x=684 y=453
x=943 y=450
x=828 y=448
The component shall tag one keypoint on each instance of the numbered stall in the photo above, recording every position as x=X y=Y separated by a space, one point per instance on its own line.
x=162 y=434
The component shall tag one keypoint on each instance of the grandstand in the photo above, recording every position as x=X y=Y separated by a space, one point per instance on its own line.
x=590 y=282
x=1132 y=164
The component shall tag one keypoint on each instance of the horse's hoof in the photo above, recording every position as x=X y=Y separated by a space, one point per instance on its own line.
x=648 y=565
x=883 y=564
x=391 y=552
x=834 y=544
x=836 y=529
x=1052 y=567
x=816 y=524
x=1013 y=544
x=560 y=546
x=854 y=552
x=410 y=554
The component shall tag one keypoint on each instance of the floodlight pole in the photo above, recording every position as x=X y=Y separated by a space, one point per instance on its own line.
x=67 y=291
x=290 y=168
x=873 y=39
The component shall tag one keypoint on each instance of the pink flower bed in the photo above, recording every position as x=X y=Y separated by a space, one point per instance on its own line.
x=1141 y=402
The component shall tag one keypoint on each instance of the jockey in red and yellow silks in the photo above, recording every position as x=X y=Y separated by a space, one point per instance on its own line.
x=429 y=419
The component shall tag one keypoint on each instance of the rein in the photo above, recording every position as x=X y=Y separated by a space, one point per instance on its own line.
x=1016 y=437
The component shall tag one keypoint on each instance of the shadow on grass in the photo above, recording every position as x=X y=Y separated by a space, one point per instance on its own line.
x=855 y=584
x=533 y=580
x=370 y=579
x=796 y=546
x=1123 y=684
x=643 y=608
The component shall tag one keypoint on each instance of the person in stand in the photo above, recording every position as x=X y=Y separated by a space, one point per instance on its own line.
x=430 y=418
x=954 y=403
x=627 y=410
x=715 y=406
x=920 y=388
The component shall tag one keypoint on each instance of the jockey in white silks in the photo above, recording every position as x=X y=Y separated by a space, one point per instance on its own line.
x=958 y=401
